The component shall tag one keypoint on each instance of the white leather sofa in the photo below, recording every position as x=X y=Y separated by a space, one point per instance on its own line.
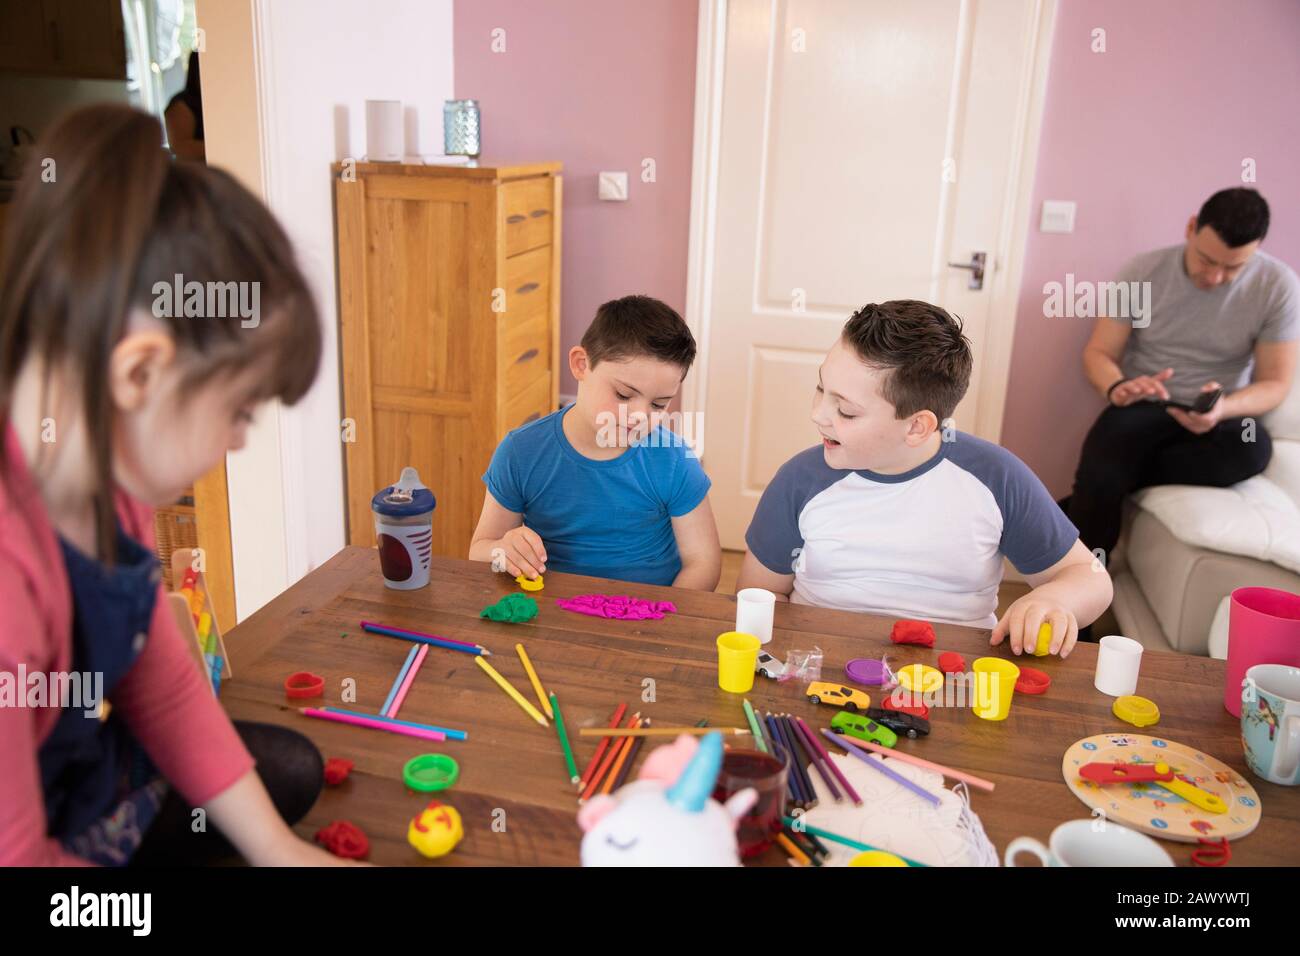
x=1184 y=549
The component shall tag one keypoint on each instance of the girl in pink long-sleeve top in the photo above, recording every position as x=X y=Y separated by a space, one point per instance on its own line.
x=115 y=397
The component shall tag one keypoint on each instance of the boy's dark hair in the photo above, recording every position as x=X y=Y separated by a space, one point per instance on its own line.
x=638 y=325
x=922 y=347
x=1238 y=215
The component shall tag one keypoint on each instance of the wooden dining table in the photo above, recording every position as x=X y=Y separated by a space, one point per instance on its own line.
x=514 y=793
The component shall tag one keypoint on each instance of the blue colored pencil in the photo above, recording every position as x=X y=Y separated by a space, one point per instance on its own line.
x=451 y=734
x=477 y=650
x=401 y=676
x=792 y=778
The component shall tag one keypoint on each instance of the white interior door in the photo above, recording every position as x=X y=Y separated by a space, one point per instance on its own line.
x=847 y=151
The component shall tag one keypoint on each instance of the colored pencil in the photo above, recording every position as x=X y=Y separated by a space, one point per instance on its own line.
x=610 y=756
x=372 y=723
x=451 y=733
x=792 y=779
x=846 y=841
x=419 y=638
x=532 y=677
x=809 y=844
x=702 y=722
x=627 y=764
x=753 y=725
x=410 y=679
x=619 y=711
x=805 y=787
x=624 y=749
x=793 y=850
x=839 y=774
x=509 y=688
x=971 y=779
x=657 y=731
x=787 y=726
x=401 y=676
x=818 y=762
x=564 y=738
x=880 y=765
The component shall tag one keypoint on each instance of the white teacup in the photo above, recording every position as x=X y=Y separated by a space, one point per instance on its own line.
x=1091 y=843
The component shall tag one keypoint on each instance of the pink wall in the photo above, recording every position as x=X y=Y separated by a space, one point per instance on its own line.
x=596 y=84
x=1140 y=136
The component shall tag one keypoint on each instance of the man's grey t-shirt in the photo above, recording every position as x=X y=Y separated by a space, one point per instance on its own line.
x=1208 y=335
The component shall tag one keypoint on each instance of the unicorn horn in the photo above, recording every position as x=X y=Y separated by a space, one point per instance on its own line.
x=694 y=786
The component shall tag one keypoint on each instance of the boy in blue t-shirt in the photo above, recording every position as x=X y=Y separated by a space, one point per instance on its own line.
x=892 y=515
x=601 y=487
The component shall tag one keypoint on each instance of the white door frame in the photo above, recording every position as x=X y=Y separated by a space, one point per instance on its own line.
x=1007 y=256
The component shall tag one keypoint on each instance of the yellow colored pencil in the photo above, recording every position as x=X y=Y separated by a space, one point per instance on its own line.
x=537 y=684
x=506 y=686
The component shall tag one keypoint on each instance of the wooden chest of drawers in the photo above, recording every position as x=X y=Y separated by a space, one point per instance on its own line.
x=449 y=305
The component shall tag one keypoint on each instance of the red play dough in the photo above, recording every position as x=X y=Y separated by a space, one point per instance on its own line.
x=950 y=662
x=912 y=632
x=344 y=839
x=337 y=770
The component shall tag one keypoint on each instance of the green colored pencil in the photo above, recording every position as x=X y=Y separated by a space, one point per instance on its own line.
x=564 y=739
x=836 y=838
x=753 y=725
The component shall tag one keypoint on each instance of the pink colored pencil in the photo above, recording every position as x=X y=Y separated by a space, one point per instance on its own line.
x=373 y=724
x=821 y=752
x=401 y=630
x=971 y=779
x=410 y=679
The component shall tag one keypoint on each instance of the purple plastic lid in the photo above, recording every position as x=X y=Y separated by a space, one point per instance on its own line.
x=866 y=670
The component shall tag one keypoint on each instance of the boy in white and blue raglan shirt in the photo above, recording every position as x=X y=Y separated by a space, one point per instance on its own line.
x=601 y=487
x=892 y=515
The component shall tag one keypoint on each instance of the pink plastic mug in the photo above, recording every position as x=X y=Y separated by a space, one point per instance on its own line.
x=1263 y=628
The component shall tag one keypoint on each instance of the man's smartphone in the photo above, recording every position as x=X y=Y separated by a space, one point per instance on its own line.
x=1204 y=402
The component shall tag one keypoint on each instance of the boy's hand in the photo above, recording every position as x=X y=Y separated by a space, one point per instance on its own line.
x=1023 y=618
x=522 y=552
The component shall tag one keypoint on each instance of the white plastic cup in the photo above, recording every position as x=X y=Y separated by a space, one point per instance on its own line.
x=1118 y=661
x=754 y=609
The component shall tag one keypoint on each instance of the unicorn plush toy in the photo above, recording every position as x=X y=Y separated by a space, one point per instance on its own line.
x=667 y=816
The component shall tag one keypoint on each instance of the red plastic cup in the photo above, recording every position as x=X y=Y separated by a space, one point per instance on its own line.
x=1263 y=628
x=746 y=766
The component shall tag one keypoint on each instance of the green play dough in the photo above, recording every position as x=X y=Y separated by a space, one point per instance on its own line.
x=511 y=609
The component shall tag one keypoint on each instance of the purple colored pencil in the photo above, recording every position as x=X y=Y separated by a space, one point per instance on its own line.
x=805 y=785
x=844 y=781
x=374 y=628
x=818 y=757
x=865 y=757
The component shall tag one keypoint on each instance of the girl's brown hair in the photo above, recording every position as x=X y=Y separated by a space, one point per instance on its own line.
x=102 y=214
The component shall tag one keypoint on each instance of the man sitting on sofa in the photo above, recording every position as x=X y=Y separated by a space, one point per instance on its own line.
x=1221 y=314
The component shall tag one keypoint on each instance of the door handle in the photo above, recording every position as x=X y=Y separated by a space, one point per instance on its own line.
x=976 y=267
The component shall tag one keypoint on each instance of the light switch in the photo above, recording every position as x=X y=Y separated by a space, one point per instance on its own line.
x=1058 y=216
x=613 y=186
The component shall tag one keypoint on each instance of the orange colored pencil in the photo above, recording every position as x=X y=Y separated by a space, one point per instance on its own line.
x=619 y=711
x=612 y=776
x=594 y=782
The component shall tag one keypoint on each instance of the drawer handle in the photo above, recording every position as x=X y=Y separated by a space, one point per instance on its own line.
x=528 y=287
x=517 y=217
x=531 y=418
x=539 y=213
x=530 y=354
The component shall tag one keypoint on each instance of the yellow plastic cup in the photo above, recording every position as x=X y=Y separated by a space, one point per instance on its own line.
x=995 y=683
x=1044 y=645
x=737 y=658
x=876 y=858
